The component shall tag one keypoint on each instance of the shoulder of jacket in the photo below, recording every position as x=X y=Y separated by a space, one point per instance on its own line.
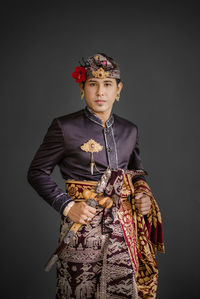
x=125 y=122
x=63 y=119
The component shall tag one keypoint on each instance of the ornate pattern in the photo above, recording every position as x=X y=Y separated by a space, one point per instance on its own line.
x=75 y=188
x=92 y=146
x=100 y=73
x=100 y=64
x=95 y=264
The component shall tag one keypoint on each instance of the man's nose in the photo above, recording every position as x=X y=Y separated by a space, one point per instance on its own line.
x=100 y=90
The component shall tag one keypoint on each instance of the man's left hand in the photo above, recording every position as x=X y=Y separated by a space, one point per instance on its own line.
x=143 y=203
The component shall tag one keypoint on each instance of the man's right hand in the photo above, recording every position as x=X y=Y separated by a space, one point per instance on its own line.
x=80 y=212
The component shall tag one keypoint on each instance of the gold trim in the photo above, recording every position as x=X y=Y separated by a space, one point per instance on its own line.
x=81 y=182
x=100 y=73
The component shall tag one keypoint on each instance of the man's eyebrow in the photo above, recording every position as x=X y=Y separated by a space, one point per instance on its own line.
x=91 y=80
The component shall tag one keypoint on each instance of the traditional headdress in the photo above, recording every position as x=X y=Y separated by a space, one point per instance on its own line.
x=98 y=66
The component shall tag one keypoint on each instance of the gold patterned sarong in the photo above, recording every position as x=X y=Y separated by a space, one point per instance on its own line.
x=138 y=231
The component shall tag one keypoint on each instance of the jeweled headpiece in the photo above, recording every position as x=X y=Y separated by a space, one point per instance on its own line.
x=98 y=66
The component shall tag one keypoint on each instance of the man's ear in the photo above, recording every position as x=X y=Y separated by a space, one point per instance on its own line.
x=119 y=87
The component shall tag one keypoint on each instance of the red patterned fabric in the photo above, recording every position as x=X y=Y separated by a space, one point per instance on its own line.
x=153 y=220
x=146 y=270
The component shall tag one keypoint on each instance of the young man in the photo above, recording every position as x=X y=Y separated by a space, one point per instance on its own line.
x=113 y=253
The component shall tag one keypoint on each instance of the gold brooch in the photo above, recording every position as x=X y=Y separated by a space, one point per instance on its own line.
x=92 y=147
x=100 y=73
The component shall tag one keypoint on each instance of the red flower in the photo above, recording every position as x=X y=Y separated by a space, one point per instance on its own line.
x=79 y=74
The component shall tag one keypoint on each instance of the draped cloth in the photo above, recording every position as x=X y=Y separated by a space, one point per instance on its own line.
x=113 y=256
x=143 y=235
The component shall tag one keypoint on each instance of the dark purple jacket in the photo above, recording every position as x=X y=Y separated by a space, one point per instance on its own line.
x=62 y=146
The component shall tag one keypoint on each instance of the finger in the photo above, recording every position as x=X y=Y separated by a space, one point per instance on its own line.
x=142 y=196
x=143 y=205
x=138 y=195
x=78 y=220
x=144 y=210
x=91 y=210
x=89 y=219
x=142 y=213
x=85 y=208
x=146 y=198
x=138 y=200
x=143 y=200
x=83 y=219
x=89 y=215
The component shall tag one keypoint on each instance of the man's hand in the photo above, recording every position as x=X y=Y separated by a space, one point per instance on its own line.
x=81 y=213
x=143 y=203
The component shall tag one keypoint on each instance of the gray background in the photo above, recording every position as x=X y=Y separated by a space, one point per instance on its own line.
x=157 y=47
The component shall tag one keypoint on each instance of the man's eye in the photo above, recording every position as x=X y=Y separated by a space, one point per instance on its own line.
x=92 y=84
x=108 y=84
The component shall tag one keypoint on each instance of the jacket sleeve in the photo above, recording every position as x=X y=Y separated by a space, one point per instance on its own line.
x=135 y=161
x=49 y=154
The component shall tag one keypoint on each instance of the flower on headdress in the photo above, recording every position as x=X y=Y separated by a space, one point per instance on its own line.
x=79 y=74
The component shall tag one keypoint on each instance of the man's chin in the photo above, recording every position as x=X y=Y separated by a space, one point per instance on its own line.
x=99 y=108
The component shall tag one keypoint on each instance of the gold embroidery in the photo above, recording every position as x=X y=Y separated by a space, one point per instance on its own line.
x=100 y=73
x=75 y=190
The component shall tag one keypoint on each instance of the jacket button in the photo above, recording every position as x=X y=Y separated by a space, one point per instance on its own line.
x=109 y=149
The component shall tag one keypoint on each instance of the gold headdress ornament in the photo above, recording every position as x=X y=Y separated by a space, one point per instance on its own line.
x=100 y=73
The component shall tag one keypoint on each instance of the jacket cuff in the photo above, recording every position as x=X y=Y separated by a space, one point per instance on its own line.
x=61 y=201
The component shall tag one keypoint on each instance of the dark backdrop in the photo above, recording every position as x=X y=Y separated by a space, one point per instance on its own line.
x=157 y=46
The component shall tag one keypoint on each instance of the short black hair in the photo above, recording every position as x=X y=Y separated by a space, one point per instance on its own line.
x=118 y=81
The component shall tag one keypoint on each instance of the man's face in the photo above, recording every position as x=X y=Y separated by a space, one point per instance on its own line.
x=100 y=94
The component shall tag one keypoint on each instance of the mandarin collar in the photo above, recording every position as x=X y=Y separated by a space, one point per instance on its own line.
x=93 y=117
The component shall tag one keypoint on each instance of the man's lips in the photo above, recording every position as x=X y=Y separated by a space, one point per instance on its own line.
x=100 y=101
